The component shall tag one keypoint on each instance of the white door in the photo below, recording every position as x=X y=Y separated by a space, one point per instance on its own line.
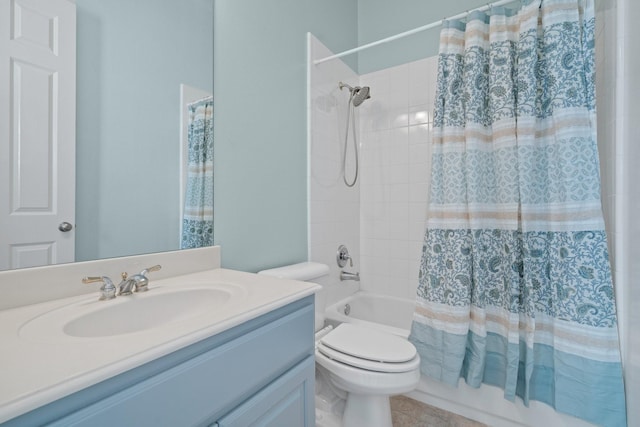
x=37 y=132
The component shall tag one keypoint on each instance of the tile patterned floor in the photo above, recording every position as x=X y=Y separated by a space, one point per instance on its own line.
x=407 y=412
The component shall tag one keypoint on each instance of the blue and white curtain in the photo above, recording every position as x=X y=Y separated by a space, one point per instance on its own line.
x=515 y=285
x=197 y=221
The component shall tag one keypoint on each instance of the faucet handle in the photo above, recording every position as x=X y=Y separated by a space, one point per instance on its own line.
x=342 y=256
x=108 y=289
x=142 y=282
x=150 y=269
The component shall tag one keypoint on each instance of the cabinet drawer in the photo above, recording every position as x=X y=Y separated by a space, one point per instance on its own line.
x=201 y=389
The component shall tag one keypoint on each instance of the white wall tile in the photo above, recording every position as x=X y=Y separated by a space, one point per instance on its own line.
x=418 y=191
x=419 y=82
x=398 y=118
x=398 y=248
x=398 y=97
x=398 y=230
x=420 y=114
x=396 y=175
x=419 y=153
x=396 y=192
x=419 y=172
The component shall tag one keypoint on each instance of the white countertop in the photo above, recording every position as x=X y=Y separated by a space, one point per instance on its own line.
x=34 y=372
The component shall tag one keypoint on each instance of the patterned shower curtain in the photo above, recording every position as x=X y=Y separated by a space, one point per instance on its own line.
x=515 y=285
x=197 y=222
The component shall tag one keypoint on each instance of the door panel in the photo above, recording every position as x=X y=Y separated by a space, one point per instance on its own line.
x=37 y=125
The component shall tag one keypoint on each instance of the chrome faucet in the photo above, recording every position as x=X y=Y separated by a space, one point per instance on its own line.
x=107 y=290
x=126 y=285
x=342 y=256
x=345 y=275
x=138 y=282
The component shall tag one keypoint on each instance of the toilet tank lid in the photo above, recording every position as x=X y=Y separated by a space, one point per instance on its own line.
x=303 y=271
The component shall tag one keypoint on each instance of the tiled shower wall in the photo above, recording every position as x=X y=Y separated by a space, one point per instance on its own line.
x=395 y=155
x=334 y=209
x=382 y=218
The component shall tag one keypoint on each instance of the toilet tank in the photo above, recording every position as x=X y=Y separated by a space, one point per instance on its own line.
x=305 y=272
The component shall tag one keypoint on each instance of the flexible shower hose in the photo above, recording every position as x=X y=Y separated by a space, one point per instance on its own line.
x=350 y=114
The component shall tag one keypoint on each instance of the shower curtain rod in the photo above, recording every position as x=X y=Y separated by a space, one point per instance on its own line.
x=204 y=98
x=411 y=32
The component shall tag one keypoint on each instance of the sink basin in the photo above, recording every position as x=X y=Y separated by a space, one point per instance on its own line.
x=137 y=314
x=89 y=318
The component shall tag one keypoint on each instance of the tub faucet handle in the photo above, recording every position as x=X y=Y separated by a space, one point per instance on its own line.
x=342 y=256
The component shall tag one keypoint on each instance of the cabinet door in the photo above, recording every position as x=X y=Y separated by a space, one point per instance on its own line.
x=288 y=401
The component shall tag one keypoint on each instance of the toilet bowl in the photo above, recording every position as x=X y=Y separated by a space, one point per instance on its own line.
x=370 y=366
x=365 y=364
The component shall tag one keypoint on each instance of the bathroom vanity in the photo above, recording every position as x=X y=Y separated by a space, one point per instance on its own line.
x=247 y=358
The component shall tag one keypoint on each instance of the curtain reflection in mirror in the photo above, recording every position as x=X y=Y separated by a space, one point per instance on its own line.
x=197 y=221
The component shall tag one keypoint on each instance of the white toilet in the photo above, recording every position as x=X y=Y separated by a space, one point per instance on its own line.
x=367 y=364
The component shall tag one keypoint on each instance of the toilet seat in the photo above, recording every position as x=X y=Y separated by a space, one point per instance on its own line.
x=368 y=349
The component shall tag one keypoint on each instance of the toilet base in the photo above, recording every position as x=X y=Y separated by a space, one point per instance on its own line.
x=367 y=410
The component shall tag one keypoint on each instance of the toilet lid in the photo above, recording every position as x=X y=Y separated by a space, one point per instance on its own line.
x=368 y=344
x=369 y=365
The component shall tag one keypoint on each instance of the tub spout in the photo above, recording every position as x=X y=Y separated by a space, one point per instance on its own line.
x=345 y=275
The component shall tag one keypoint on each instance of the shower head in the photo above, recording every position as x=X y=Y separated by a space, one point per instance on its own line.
x=358 y=94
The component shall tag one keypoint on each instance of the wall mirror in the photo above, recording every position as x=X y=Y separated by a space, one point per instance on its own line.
x=134 y=62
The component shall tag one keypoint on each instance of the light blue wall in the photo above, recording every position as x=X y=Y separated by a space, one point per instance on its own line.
x=260 y=131
x=132 y=57
x=378 y=19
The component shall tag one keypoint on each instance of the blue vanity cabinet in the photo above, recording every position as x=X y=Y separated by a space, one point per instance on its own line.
x=258 y=373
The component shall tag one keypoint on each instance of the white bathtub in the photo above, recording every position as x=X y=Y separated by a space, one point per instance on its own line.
x=391 y=314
